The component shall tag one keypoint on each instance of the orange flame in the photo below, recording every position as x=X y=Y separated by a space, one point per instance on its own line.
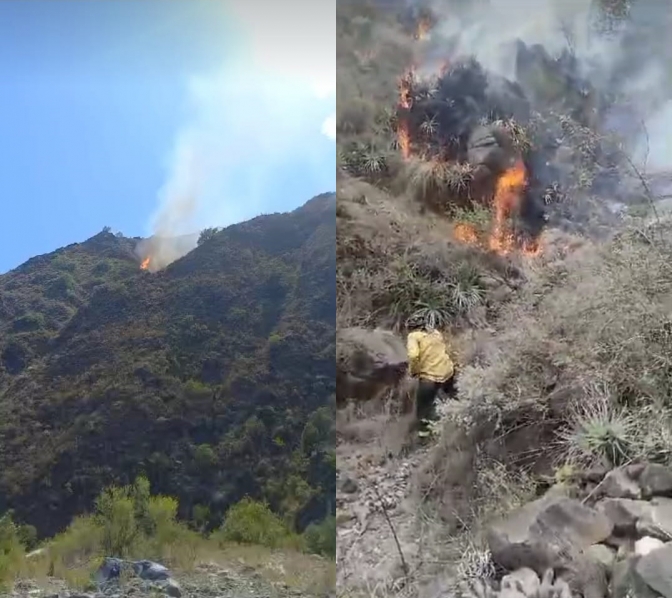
x=405 y=103
x=531 y=247
x=508 y=194
x=145 y=263
x=465 y=233
x=423 y=27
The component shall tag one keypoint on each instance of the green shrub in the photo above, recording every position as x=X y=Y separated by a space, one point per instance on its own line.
x=321 y=537
x=64 y=263
x=11 y=550
x=252 y=522
x=61 y=287
x=28 y=322
x=115 y=514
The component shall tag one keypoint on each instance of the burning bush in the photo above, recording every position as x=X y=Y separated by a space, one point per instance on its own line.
x=456 y=134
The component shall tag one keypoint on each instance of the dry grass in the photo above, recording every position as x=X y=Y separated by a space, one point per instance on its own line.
x=586 y=348
x=394 y=262
x=437 y=184
x=299 y=571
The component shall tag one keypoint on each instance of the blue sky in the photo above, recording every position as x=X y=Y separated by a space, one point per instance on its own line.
x=159 y=116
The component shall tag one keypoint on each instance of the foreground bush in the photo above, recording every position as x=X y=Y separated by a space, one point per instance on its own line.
x=252 y=522
x=129 y=522
x=11 y=549
x=321 y=537
x=587 y=347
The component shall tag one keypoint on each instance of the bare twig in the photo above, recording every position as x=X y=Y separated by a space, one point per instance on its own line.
x=645 y=185
x=404 y=564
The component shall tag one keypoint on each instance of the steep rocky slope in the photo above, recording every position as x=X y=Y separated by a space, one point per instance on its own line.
x=506 y=207
x=214 y=376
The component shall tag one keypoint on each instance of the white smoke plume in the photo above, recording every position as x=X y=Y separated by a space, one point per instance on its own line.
x=632 y=58
x=266 y=109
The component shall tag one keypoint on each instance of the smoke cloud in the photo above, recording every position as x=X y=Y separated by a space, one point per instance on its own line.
x=272 y=108
x=628 y=56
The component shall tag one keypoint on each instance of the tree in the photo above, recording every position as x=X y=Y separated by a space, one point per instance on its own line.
x=207 y=234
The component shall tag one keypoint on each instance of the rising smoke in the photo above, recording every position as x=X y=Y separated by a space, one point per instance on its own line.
x=586 y=84
x=261 y=113
x=621 y=47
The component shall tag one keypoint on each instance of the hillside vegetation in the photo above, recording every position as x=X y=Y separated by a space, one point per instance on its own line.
x=214 y=377
x=509 y=214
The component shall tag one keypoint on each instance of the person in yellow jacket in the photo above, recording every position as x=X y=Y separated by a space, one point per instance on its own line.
x=429 y=361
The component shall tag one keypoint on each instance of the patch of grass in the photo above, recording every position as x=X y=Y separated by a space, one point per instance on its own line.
x=11 y=551
x=131 y=523
x=437 y=183
x=413 y=288
x=476 y=563
x=585 y=349
x=475 y=215
x=298 y=570
x=520 y=135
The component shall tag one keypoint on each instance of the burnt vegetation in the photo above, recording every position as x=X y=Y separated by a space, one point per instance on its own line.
x=214 y=377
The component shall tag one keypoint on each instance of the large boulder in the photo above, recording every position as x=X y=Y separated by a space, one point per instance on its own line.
x=624 y=513
x=657 y=520
x=619 y=483
x=655 y=570
x=368 y=362
x=547 y=533
x=656 y=480
x=154 y=574
x=491 y=147
x=626 y=582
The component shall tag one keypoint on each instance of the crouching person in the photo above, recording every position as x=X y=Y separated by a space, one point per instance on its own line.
x=429 y=361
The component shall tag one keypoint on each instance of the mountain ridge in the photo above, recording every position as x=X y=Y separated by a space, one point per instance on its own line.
x=223 y=358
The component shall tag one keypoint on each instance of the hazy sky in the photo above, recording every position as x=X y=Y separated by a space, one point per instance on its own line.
x=148 y=115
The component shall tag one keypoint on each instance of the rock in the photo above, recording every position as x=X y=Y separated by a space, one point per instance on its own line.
x=501 y=294
x=349 y=486
x=617 y=484
x=656 y=480
x=523 y=580
x=490 y=146
x=150 y=570
x=623 y=513
x=595 y=474
x=551 y=588
x=368 y=362
x=626 y=583
x=654 y=569
x=109 y=570
x=599 y=553
x=172 y=588
x=647 y=544
x=625 y=550
x=543 y=533
x=634 y=470
x=657 y=521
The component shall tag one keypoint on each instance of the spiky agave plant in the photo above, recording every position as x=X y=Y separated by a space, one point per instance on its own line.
x=437 y=180
x=429 y=126
x=600 y=432
x=466 y=297
x=466 y=292
x=373 y=162
x=435 y=314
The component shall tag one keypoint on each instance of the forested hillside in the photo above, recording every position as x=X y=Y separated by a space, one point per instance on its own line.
x=213 y=377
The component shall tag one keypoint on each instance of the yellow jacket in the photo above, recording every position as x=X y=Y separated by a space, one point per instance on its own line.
x=428 y=356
